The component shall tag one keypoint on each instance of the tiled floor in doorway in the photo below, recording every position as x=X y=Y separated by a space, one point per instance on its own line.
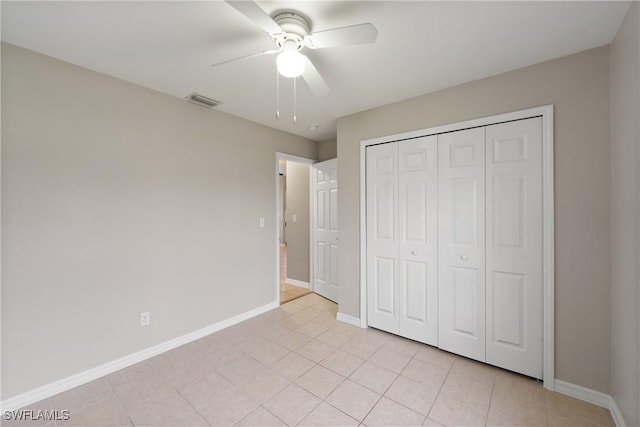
x=296 y=365
x=288 y=291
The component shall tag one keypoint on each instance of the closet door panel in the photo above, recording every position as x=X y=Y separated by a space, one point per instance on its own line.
x=461 y=242
x=382 y=237
x=417 y=250
x=514 y=246
x=465 y=283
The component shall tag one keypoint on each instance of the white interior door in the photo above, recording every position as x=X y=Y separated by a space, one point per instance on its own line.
x=418 y=239
x=325 y=193
x=514 y=245
x=402 y=188
x=461 y=242
x=382 y=237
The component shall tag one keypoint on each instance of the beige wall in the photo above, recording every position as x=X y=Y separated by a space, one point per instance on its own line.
x=578 y=86
x=625 y=216
x=327 y=150
x=117 y=200
x=298 y=232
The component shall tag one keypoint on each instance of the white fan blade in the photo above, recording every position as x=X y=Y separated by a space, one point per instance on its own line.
x=256 y=15
x=251 y=55
x=313 y=79
x=355 y=34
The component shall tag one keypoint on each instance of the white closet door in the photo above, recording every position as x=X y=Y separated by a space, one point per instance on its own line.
x=461 y=204
x=418 y=243
x=382 y=237
x=514 y=246
x=326 y=229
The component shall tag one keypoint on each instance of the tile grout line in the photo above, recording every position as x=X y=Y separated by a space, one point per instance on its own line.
x=384 y=394
x=546 y=405
x=440 y=390
x=262 y=406
x=113 y=393
x=493 y=385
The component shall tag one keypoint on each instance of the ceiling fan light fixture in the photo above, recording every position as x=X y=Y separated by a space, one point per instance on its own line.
x=290 y=63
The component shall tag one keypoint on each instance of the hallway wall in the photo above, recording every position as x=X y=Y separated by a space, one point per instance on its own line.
x=298 y=232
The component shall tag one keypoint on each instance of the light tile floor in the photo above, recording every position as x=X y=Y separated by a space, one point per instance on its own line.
x=297 y=365
x=289 y=292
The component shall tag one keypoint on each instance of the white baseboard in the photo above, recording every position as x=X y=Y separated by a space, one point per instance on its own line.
x=616 y=414
x=591 y=396
x=29 y=397
x=298 y=283
x=583 y=393
x=348 y=319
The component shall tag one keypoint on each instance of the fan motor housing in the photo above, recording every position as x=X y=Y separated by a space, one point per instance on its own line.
x=295 y=27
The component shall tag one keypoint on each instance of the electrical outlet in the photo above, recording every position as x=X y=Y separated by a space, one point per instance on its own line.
x=295 y=218
x=145 y=318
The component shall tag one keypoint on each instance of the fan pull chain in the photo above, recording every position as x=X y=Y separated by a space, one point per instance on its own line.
x=277 y=95
x=295 y=118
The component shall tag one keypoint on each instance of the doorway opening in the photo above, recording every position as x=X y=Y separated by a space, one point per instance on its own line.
x=294 y=228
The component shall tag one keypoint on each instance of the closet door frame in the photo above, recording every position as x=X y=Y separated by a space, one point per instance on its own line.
x=546 y=113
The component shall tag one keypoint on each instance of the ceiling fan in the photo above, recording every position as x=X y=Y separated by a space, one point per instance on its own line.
x=291 y=33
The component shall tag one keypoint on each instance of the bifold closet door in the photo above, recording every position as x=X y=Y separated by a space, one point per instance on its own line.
x=514 y=246
x=461 y=242
x=418 y=245
x=382 y=237
x=402 y=238
x=454 y=242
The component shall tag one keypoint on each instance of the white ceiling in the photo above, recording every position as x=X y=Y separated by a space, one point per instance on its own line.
x=421 y=47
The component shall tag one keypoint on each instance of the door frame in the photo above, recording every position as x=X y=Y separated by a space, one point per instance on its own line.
x=548 y=248
x=308 y=162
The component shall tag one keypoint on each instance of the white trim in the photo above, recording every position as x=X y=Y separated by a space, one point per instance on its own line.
x=546 y=112
x=483 y=121
x=591 y=396
x=312 y=228
x=548 y=249
x=616 y=414
x=298 y=283
x=292 y=158
x=583 y=393
x=298 y=159
x=65 y=384
x=350 y=320
x=363 y=234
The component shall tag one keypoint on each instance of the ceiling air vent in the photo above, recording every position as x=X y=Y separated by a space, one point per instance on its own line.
x=202 y=100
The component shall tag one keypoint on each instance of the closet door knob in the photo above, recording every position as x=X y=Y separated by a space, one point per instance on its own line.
x=464 y=257
x=414 y=253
